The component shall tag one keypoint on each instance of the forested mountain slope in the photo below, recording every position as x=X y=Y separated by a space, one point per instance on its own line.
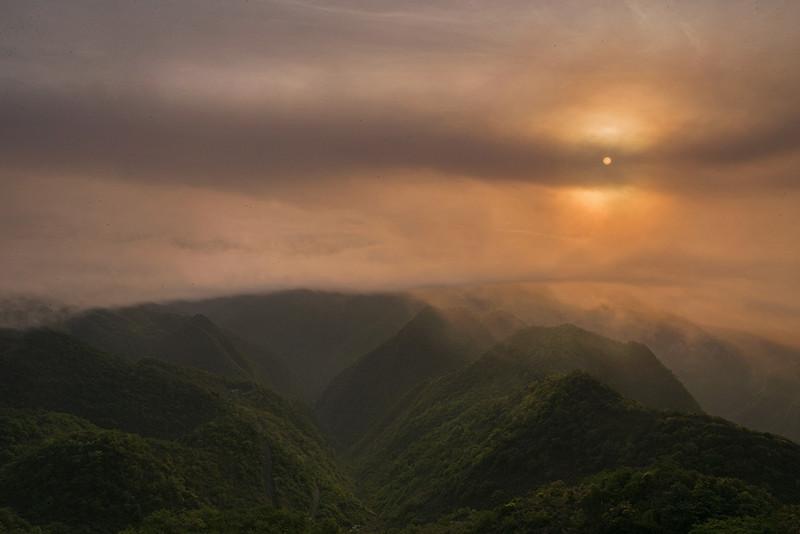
x=316 y=333
x=459 y=420
x=153 y=331
x=433 y=343
x=743 y=377
x=96 y=443
x=630 y=368
x=662 y=499
x=479 y=437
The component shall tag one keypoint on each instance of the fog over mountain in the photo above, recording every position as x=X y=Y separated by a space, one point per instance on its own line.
x=160 y=150
x=404 y=266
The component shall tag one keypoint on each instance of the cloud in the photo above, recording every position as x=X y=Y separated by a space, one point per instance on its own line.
x=159 y=149
x=146 y=139
x=140 y=139
x=262 y=94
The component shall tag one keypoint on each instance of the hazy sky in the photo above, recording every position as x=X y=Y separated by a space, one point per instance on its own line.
x=163 y=148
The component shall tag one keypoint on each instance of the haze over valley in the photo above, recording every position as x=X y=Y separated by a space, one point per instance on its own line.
x=304 y=266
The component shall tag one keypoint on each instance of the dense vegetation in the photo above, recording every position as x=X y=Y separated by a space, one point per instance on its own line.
x=661 y=499
x=550 y=430
x=153 y=331
x=465 y=442
x=630 y=368
x=430 y=345
x=318 y=334
x=261 y=519
x=97 y=444
x=742 y=377
x=760 y=384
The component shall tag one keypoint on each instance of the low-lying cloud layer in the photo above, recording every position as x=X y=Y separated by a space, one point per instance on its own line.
x=159 y=149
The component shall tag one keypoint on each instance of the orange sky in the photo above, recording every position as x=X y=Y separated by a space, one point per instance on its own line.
x=160 y=149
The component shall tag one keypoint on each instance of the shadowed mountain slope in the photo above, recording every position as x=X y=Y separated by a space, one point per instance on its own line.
x=630 y=368
x=317 y=334
x=435 y=343
x=430 y=345
x=469 y=439
x=658 y=499
x=745 y=378
x=741 y=377
x=153 y=331
x=97 y=443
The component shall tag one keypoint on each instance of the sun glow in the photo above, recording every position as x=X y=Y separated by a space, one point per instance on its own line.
x=594 y=199
x=624 y=204
x=624 y=117
x=609 y=128
x=602 y=200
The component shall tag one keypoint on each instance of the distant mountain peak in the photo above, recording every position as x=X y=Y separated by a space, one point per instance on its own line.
x=630 y=368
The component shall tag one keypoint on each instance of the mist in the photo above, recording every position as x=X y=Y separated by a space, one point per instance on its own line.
x=154 y=151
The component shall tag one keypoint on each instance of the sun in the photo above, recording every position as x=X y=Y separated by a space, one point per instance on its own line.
x=607 y=161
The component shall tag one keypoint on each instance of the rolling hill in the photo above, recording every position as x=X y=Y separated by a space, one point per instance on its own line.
x=630 y=368
x=317 y=334
x=743 y=377
x=435 y=343
x=469 y=440
x=153 y=419
x=95 y=443
x=431 y=344
x=153 y=331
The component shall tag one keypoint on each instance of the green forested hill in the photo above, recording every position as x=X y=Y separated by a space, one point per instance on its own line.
x=316 y=333
x=440 y=439
x=742 y=377
x=153 y=331
x=465 y=442
x=430 y=345
x=662 y=499
x=97 y=443
x=630 y=368
x=436 y=342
